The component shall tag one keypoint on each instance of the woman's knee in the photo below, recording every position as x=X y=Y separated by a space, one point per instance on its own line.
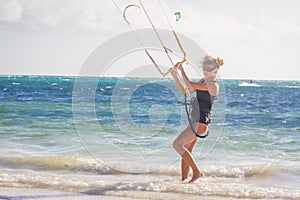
x=186 y=137
x=176 y=144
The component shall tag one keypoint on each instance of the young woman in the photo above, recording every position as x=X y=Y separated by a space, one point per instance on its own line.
x=207 y=89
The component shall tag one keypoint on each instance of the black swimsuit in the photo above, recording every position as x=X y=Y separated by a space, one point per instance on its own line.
x=201 y=107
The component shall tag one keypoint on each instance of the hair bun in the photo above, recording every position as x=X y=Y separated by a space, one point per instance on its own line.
x=219 y=62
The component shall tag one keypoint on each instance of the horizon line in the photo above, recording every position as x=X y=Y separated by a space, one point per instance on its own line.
x=141 y=77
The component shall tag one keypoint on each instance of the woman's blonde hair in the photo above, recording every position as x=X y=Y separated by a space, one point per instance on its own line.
x=218 y=62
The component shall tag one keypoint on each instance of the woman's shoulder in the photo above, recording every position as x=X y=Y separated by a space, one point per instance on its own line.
x=213 y=88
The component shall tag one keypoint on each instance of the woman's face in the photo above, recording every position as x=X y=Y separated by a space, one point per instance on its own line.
x=209 y=69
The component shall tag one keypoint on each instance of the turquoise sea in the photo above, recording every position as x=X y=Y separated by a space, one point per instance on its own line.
x=113 y=137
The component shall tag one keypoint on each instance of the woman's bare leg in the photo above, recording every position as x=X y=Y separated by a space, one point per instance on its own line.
x=187 y=137
x=185 y=167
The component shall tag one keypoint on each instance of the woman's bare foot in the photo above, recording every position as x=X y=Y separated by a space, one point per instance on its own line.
x=196 y=176
x=183 y=178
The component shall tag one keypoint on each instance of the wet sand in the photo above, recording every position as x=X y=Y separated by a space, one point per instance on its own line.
x=8 y=193
x=48 y=194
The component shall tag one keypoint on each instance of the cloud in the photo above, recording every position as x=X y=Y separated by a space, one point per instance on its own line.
x=10 y=11
x=260 y=28
x=87 y=16
x=102 y=16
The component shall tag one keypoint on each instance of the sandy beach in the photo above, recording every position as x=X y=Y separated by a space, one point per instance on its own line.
x=48 y=194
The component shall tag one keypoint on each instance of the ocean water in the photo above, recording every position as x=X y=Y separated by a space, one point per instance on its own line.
x=113 y=137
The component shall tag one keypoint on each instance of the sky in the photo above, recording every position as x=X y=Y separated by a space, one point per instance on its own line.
x=258 y=39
